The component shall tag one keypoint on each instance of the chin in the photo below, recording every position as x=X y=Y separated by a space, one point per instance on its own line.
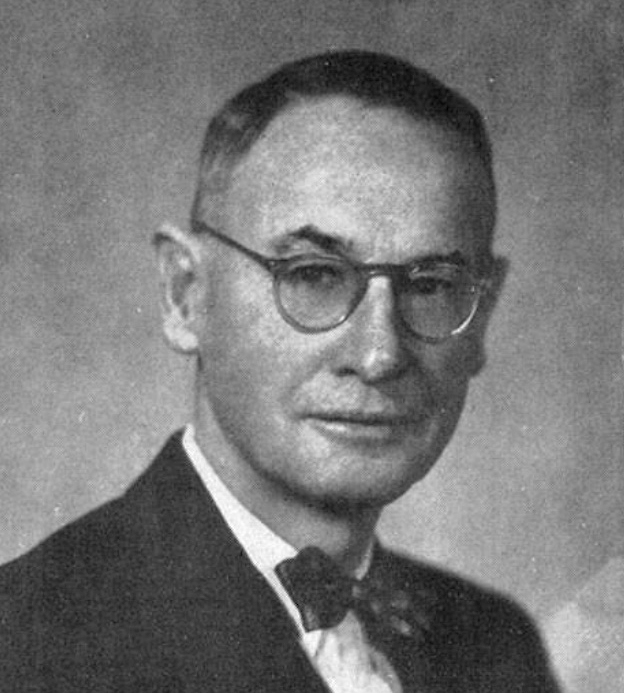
x=371 y=488
x=357 y=502
x=371 y=465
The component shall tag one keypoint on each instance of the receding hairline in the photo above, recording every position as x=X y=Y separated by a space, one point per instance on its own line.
x=375 y=81
x=343 y=125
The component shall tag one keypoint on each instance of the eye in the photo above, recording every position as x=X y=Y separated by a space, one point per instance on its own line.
x=321 y=275
x=437 y=281
x=430 y=284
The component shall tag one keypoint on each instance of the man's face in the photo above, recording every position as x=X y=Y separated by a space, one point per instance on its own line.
x=356 y=414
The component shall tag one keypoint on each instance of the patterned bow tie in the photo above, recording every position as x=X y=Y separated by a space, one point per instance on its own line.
x=323 y=595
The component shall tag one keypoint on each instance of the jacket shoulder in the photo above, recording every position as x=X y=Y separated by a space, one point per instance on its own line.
x=463 y=606
x=476 y=633
x=120 y=531
x=88 y=582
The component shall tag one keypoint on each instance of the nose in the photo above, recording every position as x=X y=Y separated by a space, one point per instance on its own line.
x=377 y=348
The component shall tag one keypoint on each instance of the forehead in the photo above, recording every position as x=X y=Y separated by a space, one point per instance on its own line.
x=374 y=177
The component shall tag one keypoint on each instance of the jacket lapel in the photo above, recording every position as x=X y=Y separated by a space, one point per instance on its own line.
x=220 y=621
x=409 y=655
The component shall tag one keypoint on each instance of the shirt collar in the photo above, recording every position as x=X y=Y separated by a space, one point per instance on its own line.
x=263 y=547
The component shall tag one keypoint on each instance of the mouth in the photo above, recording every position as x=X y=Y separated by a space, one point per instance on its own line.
x=363 y=418
x=365 y=427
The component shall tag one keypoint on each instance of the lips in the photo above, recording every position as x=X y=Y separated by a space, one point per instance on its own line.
x=361 y=428
x=363 y=418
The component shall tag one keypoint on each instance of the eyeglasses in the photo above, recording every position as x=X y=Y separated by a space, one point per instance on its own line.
x=315 y=293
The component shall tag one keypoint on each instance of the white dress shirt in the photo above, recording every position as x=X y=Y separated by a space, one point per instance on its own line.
x=341 y=655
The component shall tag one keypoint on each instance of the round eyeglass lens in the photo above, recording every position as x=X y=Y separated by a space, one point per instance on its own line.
x=438 y=302
x=317 y=293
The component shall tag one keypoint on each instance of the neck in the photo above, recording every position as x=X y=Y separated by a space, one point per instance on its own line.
x=344 y=533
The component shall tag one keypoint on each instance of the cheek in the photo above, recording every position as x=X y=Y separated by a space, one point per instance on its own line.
x=250 y=356
x=454 y=362
x=449 y=367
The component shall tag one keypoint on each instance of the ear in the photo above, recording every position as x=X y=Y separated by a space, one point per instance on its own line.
x=497 y=273
x=182 y=286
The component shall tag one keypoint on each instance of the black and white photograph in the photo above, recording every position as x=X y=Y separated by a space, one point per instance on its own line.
x=312 y=346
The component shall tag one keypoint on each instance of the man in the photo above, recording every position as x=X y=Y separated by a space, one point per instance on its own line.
x=334 y=290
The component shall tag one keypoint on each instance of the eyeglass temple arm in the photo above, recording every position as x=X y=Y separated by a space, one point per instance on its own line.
x=269 y=263
x=484 y=283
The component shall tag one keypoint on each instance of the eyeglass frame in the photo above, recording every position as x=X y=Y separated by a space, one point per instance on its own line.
x=276 y=267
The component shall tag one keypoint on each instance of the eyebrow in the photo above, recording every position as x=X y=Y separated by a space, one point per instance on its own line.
x=331 y=244
x=314 y=236
x=453 y=258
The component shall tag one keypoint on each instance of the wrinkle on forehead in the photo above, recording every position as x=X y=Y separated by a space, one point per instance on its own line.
x=358 y=162
x=319 y=132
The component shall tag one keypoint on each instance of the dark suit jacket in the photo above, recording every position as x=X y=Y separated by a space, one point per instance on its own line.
x=151 y=592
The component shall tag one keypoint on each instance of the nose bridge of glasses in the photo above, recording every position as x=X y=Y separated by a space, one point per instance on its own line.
x=379 y=346
x=379 y=293
x=394 y=274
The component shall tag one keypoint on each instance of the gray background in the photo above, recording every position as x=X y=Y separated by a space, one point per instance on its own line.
x=103 y=107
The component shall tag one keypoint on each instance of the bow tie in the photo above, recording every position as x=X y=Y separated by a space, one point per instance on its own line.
x=323 y=594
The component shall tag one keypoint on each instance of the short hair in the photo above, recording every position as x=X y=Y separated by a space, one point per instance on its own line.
x=374 y=79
